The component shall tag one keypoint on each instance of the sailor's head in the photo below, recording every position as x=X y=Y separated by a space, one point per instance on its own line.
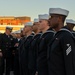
x=9 y=29
x=43 y=21
x=58 y=15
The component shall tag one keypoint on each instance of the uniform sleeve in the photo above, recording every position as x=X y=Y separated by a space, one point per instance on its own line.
x=68 y=48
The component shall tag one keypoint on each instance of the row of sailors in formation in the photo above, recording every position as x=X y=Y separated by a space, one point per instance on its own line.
x=50 y=50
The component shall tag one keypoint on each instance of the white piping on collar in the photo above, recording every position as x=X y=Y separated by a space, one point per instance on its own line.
x=67 y=31
x=73 y=32
x=51 y=31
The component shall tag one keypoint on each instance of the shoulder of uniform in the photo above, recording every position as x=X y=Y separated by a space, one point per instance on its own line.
x=65 y=32
x=49 y=31
x=39 y=34
x=31 y=35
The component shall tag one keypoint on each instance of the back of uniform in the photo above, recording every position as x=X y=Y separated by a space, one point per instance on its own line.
x=32 y=55
x=61 y=53
x=42 y=65
x=20 y=52
x=24 y=54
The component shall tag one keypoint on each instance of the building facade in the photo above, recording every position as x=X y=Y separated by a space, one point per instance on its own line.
x=11 y=20
x=15 y=22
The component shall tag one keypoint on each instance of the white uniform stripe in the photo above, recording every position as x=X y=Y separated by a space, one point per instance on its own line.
x=68 y=50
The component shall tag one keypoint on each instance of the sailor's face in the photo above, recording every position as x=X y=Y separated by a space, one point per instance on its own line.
x=54 y=21
x=27 y=28
x=8 y=31
x=43 y=24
